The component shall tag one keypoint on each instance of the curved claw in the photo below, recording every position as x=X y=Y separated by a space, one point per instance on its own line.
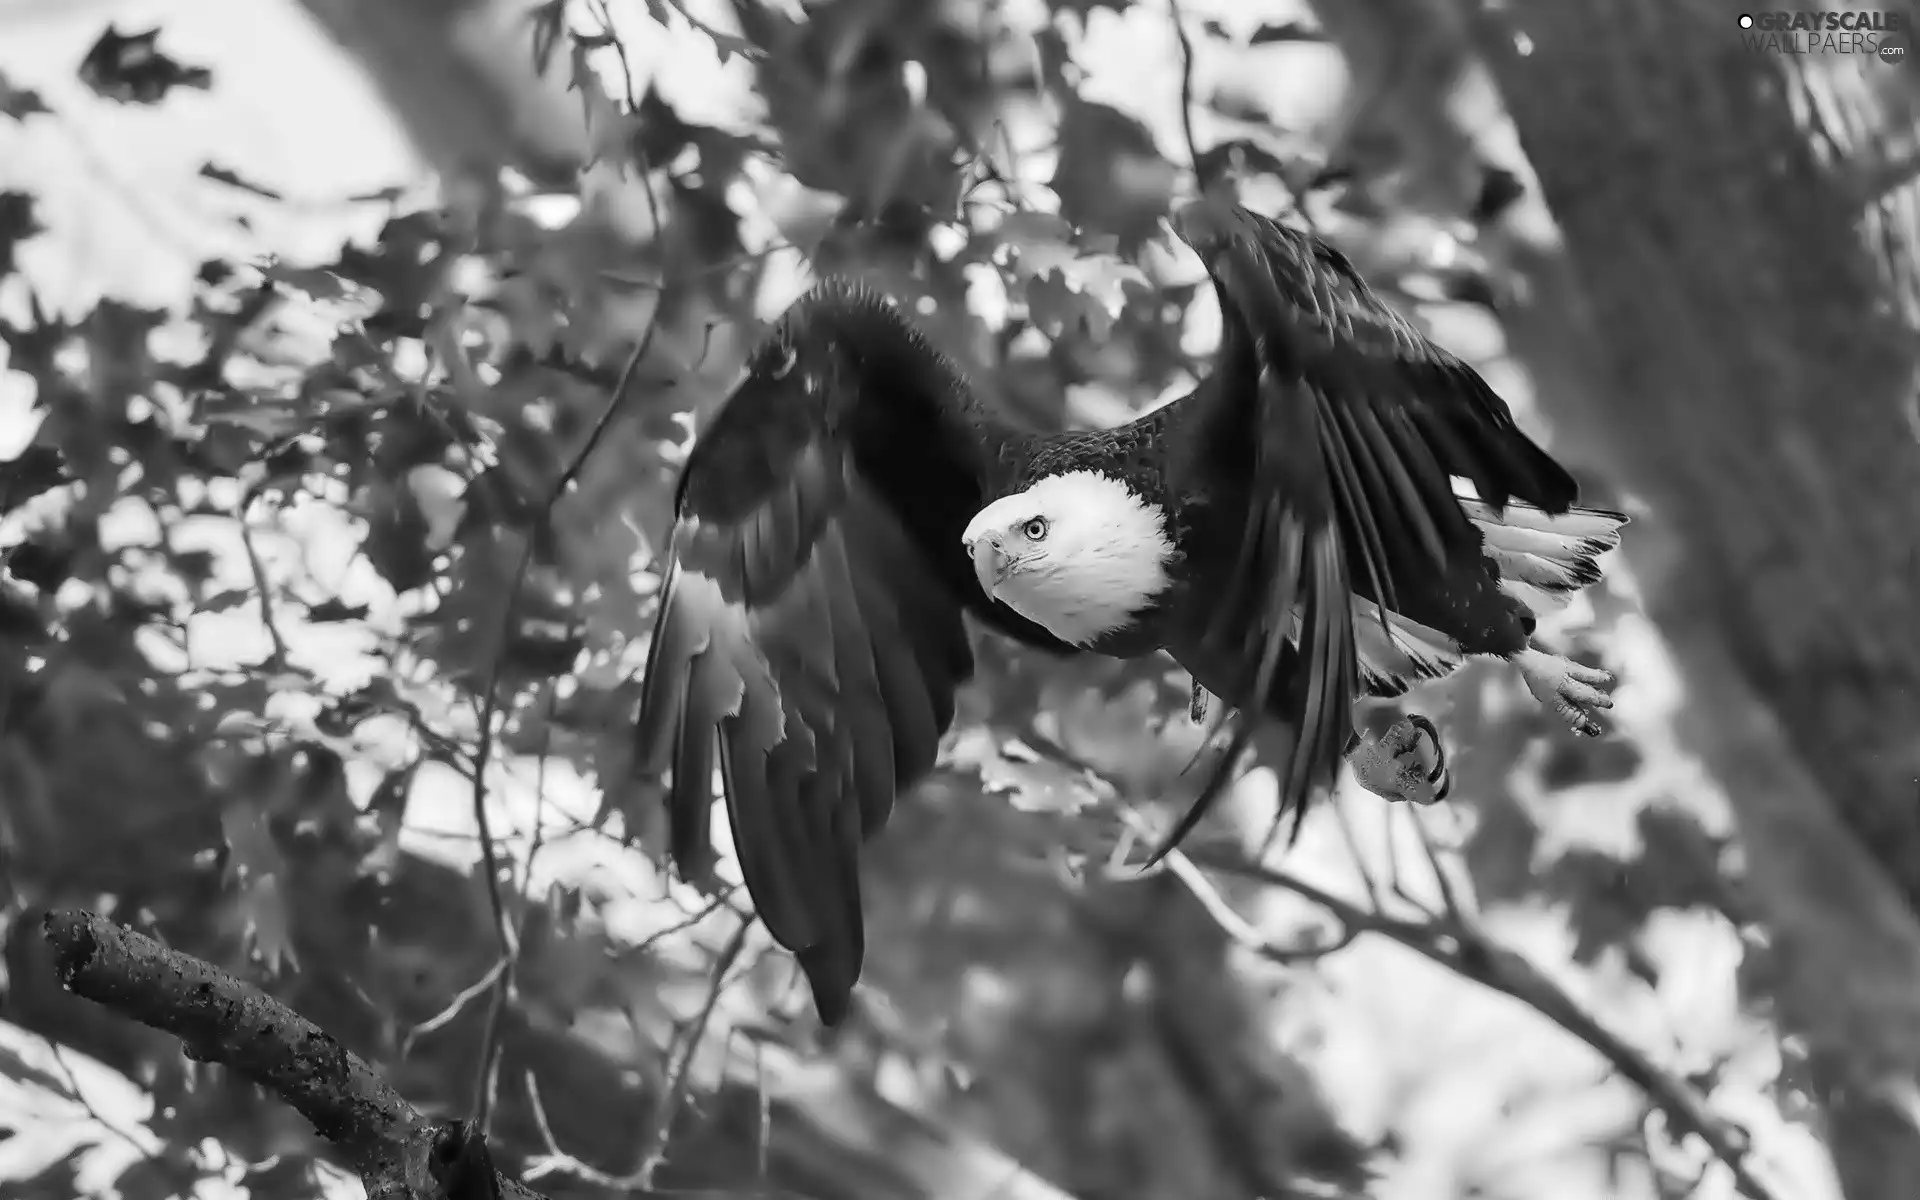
x=1439 y=776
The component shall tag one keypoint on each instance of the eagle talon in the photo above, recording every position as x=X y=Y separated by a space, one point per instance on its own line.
x=1389 y=766
x=1570 y=689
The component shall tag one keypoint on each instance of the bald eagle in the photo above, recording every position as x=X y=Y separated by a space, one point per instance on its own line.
x=1295 y=533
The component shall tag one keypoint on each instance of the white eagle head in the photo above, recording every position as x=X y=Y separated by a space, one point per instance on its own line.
x=1077 y=554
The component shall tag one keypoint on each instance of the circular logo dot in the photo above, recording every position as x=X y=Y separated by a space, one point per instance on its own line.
x=1893 y=49
x=1746 y=21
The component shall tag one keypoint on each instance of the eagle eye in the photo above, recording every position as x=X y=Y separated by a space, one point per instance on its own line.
x=1035 y=529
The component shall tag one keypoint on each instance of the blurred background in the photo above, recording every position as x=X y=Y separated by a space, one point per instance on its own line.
x=307 y=307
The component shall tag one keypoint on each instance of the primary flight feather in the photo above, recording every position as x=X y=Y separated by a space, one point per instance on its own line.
x=1291 y=532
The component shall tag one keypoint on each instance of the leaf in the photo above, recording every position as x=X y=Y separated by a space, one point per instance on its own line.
x=549 y=21
x=1285 y=31
x=333 y=610
x=131 y=69
x=387 y=810
x=1067 y=286
x=16 y=1069
x=256 y=868
x=1058 y=308
x=610 y=131
x=19 y=103
x=726 y=44
x=36 y=470
x=1040 y=242
x=17 y=224
x=161 y=1176
x=59 y=1179
x=396 y=541
x=317 y=282
x=234 y=179
x=271 y=419
x=1678 y=867
x=1110 y=176
x=1031 y=783
x=1083 y=8
x=441 y=497
x=226 y=601
x=284 y=1177
x=1240 y=155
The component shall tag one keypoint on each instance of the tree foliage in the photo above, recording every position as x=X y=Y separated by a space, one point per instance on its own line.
x=290 y=619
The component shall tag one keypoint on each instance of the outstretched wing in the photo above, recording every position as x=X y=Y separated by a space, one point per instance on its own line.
x=809 y=636
x=1355 y=422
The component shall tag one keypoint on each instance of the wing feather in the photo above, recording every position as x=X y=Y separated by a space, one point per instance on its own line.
x=1358 y=423
x=810 y=621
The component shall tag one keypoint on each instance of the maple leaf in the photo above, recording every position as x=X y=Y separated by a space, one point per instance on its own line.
x=131 y=69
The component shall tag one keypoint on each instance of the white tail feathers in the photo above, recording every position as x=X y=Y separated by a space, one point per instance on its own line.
x=1544 y=558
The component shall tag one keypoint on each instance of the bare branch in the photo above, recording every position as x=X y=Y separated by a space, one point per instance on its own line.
x=1456 y=943
x=1452 y=940
x=489 y=705
x=1186 y=91
x=675 y=1093
x=278 y=658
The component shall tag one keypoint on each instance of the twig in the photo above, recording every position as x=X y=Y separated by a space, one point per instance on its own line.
x=490 y=701
x=466 y=995
x=505 y=977
x=79 y=1096
x=1351 y=837
x=1448 y=897
x=397 y=1151
x=653 y=1157
x=1186 y=92
x=1457 y=944
x=1232 y=923
x=487 y=1081
x=681 y=1076
x=277 y=659
x=714 y=905
x=1453 y=941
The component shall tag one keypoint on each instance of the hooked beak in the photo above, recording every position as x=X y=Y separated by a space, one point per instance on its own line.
x=989 y=564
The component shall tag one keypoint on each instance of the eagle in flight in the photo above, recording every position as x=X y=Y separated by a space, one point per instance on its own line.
x=1340 y=509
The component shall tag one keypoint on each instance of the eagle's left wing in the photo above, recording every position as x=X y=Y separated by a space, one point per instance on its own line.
x=1356 y=422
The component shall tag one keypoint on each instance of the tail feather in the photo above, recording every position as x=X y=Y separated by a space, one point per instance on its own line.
x=1557 y=552
x=1543 y=558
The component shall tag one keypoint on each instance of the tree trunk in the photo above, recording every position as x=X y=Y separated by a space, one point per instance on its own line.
x=1737 y=291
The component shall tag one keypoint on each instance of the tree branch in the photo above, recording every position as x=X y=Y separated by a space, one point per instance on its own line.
x=1456 y=943
x=398 y=1152
x=1451 y=939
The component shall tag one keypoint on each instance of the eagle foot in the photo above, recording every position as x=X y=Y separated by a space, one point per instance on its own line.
x=1566 y=687
x=1390 y=766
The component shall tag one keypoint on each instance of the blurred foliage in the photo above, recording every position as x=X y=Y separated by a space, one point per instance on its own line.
x=266 y=594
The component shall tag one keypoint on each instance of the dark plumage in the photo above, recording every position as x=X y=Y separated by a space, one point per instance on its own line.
x=1289 y=532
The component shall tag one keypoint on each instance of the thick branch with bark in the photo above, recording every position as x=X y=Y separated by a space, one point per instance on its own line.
x=398 y=1152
